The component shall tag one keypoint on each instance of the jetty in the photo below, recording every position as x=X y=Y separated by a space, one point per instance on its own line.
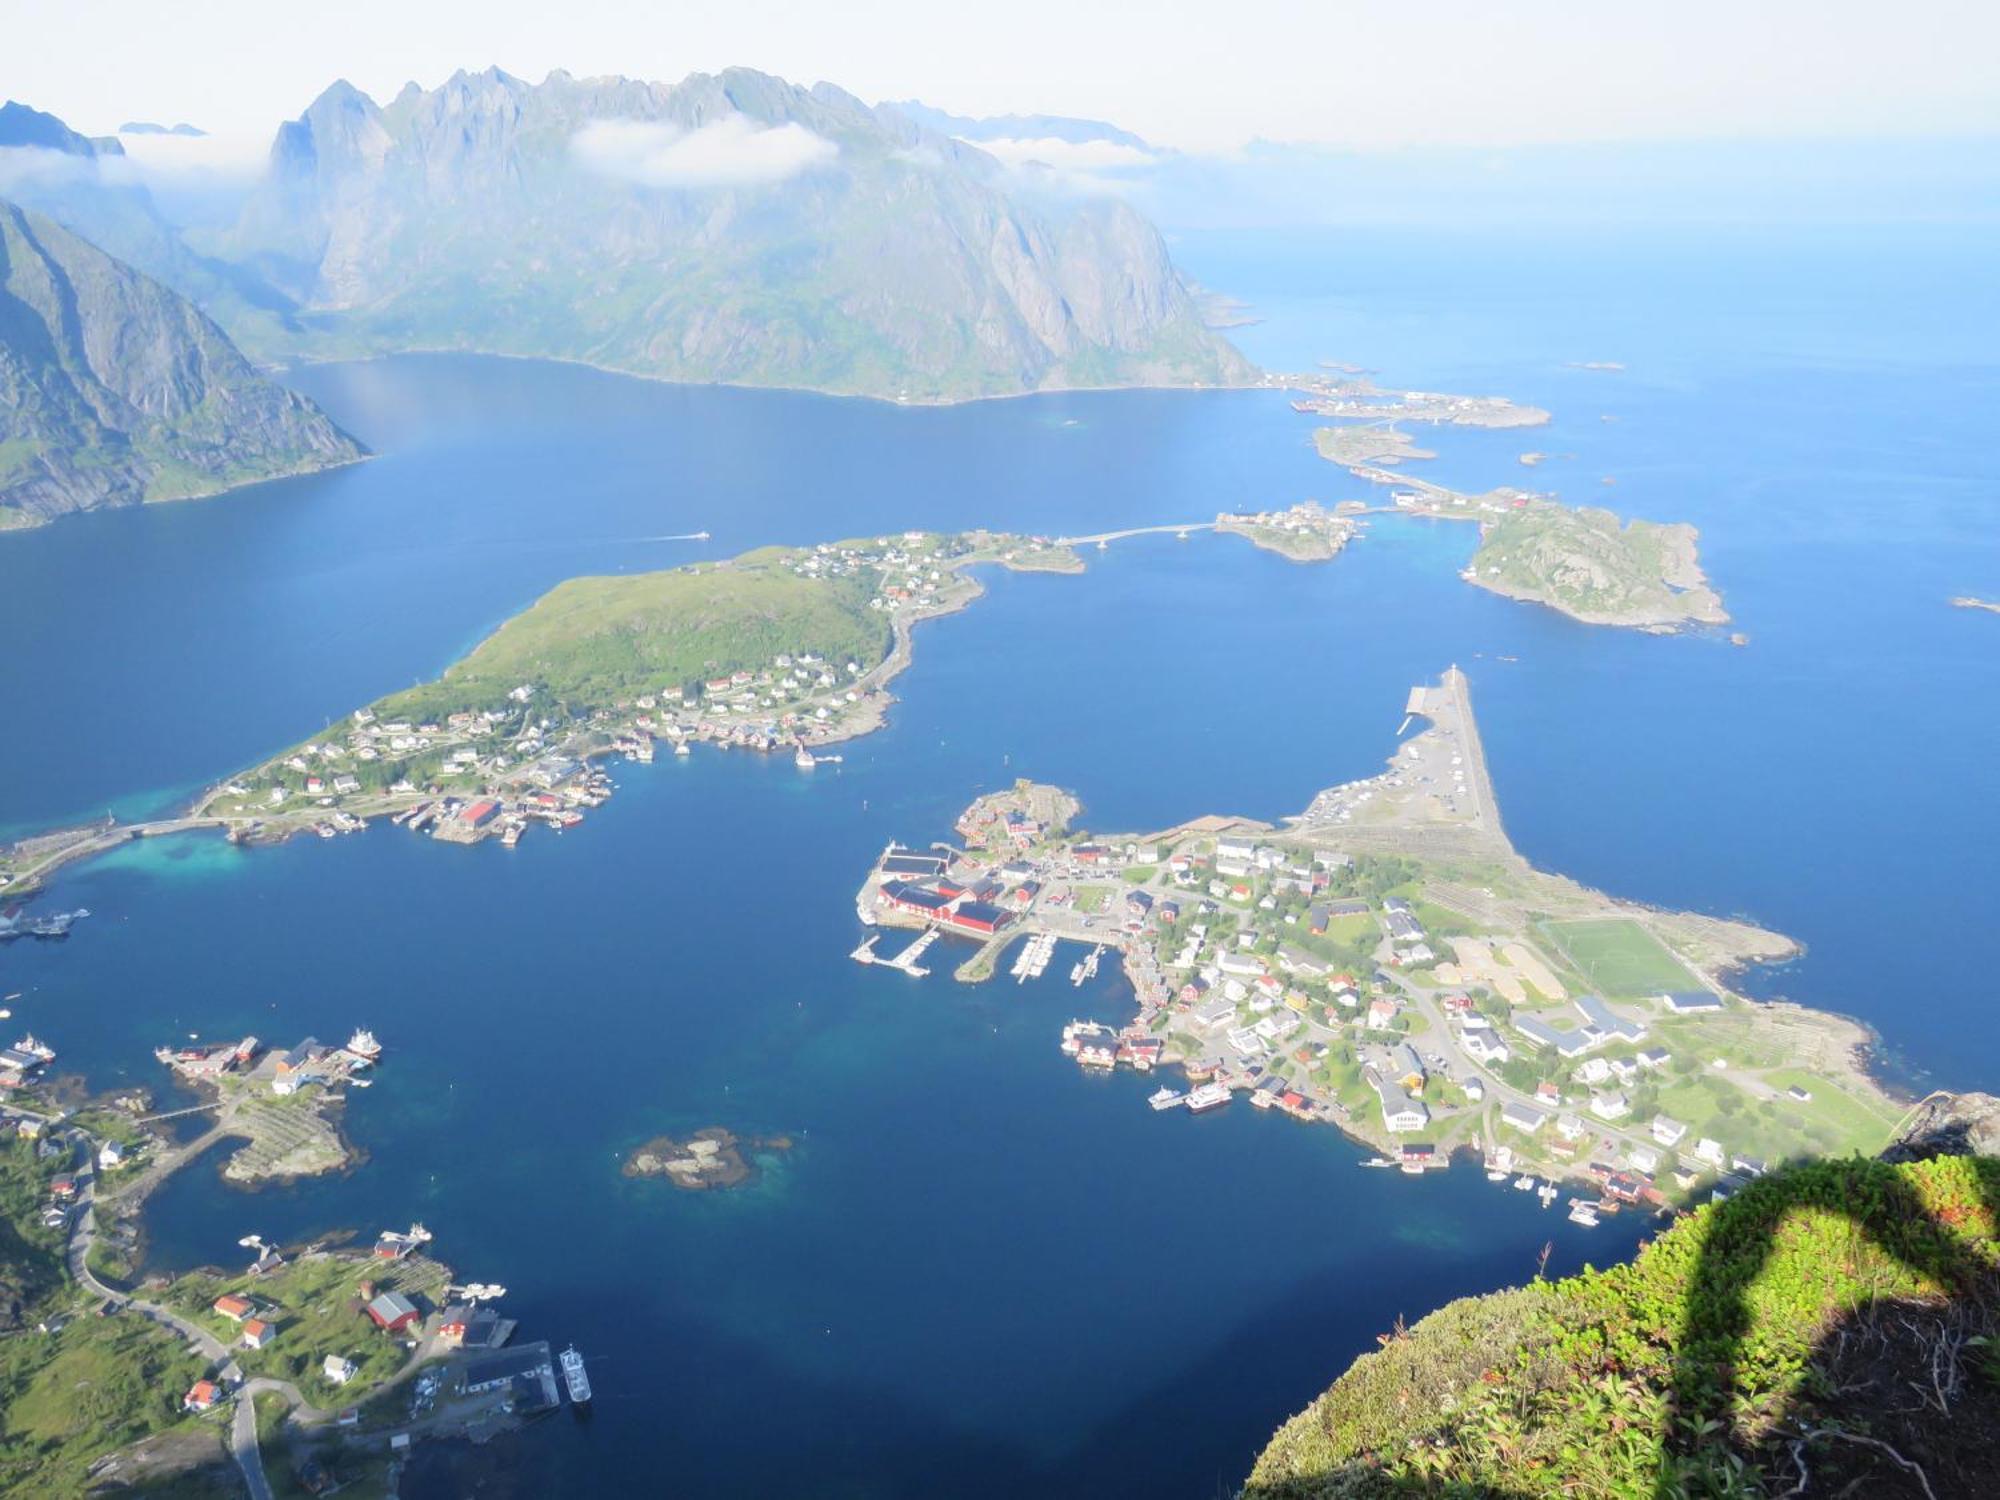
x=907 y=959
x=865 y=954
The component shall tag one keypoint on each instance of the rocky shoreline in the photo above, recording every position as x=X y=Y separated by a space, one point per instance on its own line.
x=711 y=1158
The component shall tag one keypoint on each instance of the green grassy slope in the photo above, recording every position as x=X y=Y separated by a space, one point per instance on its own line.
x=591 y=641
x=1751 y=1338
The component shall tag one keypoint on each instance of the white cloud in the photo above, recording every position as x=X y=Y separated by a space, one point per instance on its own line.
x=41 y=167
x=239 y=155
x=734 y=151
x=1068 y=156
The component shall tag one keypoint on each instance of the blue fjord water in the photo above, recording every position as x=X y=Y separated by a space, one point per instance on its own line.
x=977 y=1271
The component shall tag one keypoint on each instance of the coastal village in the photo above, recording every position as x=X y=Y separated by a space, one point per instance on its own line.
x=323 y=1362
x=521 y=756
x=1386 y=965
x=497 y=770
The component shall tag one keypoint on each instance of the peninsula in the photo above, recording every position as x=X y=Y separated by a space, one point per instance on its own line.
x=1387 y=962
x=782 y=649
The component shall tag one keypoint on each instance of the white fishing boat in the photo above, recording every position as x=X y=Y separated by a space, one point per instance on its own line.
x=575 y=1377
x=1165 y=1098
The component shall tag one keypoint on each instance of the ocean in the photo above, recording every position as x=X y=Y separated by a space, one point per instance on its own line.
x=978 y=1271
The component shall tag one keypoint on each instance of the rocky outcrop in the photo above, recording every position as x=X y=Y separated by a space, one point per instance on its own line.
x=1949 y=1125
x=115 y=390
x=731 y=227
x=1594 y=568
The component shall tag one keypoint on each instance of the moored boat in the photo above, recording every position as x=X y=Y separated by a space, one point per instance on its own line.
x=575 y=1377
x=1208 y=1096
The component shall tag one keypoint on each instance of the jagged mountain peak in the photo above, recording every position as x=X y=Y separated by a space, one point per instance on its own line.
x=731 y=226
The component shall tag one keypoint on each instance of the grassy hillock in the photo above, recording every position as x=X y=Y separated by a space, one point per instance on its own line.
x=1835 y=1329
x=592 y=641
x=1585 y=563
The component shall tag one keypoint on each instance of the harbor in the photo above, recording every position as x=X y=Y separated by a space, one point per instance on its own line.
x=1319 y=971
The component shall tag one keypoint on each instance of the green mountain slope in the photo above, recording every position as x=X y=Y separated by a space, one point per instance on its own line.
x=730 y=228
x=1830 y=1327
x=114 y=390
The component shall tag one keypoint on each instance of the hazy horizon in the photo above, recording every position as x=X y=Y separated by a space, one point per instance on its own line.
x=1368 y=76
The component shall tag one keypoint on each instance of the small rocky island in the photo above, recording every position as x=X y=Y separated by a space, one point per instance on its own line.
x=710 y=1158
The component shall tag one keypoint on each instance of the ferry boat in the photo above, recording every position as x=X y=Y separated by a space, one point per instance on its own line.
x=1166 y=1098
x=1208 y=1096
x=364 y=1046
x=575 y=1377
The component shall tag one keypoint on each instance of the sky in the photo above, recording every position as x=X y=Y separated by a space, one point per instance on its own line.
x=1205 y=77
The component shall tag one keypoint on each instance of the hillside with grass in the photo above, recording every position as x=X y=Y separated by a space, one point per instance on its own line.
x=590 y=642
x=1829 y=1331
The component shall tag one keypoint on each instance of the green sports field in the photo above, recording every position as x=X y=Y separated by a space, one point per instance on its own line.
x=1619 y=959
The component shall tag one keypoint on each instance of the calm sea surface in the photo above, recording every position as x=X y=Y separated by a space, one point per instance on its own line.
x=978 y=1272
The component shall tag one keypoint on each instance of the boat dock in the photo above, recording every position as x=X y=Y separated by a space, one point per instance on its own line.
x=907 y=959
x=865 y=954
x=1034 y=957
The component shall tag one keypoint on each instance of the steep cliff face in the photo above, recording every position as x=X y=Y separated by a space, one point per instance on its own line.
x=114 y=390
x=730 y=227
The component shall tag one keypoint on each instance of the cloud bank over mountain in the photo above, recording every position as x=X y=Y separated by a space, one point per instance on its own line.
x=731 y=152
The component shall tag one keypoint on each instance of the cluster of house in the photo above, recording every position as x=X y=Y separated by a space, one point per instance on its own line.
x=23 y=1062
x=1307 y=520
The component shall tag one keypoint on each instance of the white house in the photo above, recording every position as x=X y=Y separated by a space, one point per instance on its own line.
x=1610 y=1106
x=1522 y=1118
x=1667 y=1131
x=1400 y=1113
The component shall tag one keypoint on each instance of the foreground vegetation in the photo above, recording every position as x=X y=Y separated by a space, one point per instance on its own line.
x=1836 y=1320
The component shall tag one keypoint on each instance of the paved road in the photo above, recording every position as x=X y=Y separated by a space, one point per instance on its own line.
x=243 y=1443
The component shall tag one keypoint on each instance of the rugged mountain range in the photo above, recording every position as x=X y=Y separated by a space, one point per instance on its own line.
x=115 y=390
x=1066 y=128
x=730 y=227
